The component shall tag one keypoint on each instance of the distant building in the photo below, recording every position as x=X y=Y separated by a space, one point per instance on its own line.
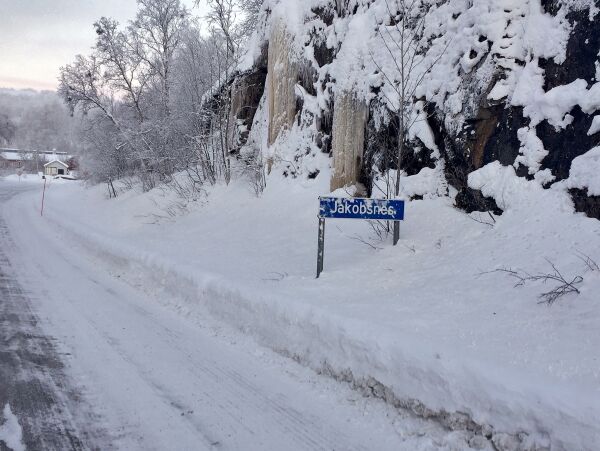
x=11 y=159
x=56 y=167
x=30 y=160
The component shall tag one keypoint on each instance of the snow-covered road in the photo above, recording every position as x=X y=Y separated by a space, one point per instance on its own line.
x=33 y=384
x=154 y=380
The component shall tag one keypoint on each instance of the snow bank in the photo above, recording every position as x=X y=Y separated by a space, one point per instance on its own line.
x=418 y=325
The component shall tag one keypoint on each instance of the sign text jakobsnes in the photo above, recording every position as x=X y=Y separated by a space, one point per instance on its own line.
x=359 y=208
x=363 y=209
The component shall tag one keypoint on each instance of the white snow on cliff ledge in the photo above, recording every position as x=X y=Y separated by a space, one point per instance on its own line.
x=585 y=172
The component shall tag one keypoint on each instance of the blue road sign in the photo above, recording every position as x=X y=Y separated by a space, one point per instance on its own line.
x=359 y=208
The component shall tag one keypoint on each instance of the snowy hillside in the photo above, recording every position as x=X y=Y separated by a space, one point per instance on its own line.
x=508 y=81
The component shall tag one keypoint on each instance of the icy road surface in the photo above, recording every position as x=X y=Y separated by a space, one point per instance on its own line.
x=90 y=362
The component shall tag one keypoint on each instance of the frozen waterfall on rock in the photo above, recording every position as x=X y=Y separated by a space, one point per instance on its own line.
x=349 y=120
x=281 y=82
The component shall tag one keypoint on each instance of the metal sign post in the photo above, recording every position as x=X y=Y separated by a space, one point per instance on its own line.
x=396 y=231
x=356 y=208
x=321 y=247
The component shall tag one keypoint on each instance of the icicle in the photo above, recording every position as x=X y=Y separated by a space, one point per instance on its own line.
x=349 y=121
x=281 y=82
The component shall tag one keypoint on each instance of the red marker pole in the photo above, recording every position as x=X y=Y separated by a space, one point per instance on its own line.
x=43 y=196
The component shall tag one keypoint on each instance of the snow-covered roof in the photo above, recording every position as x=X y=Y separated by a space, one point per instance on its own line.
x=12 y=156
x=57 y=161
x=49 y=157
x=41 y=155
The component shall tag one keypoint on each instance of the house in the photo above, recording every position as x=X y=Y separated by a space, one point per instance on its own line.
x=56 y=167
x=11 y=159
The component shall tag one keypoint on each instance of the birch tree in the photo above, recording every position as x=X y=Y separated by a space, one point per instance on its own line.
x=402 y=39
x=155 y=36
x=127 y=81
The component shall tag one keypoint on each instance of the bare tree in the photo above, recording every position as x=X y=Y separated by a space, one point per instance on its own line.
x=222 y=26
x=36 y=121
x=124 y=67
x=155 y=35
x=402 y=38
x=156 y=96
x=7 y=130
x=222 y=16
x=82 y=85
x=130 y=71
x=250 y=10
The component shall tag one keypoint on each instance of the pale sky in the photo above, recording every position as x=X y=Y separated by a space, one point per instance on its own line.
x=39 y=36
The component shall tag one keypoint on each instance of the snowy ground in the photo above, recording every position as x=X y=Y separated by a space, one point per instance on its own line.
x=156 y=380
x=419 y=325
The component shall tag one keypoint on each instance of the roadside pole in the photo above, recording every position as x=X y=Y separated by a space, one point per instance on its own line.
x=43 y=196
x=396 y=232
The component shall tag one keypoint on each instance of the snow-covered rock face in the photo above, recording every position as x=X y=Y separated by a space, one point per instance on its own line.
x=514 y=81
x=246 y=93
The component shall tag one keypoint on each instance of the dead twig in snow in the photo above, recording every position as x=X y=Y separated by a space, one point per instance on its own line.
x=588 y=261
x=411 y=248
x=277 y=276
x=380 y=228
x=549 y=297
x=480 y=220
x=358 y=238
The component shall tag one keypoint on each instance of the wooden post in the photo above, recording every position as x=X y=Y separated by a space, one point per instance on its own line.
x=321 y=247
